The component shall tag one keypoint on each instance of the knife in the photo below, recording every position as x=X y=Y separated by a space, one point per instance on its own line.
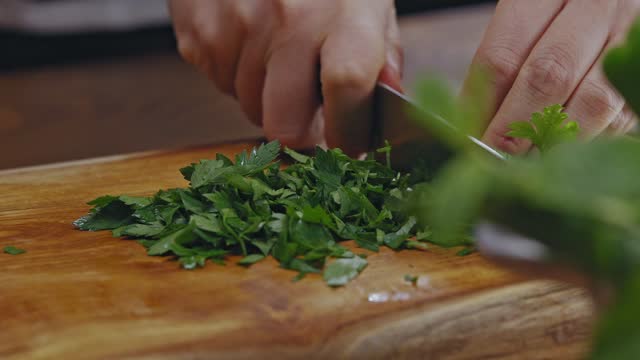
x=410 y=142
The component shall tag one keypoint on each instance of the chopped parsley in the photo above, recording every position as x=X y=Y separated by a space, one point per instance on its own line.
x=12 y=250
x=250 y=206
x=411 y=279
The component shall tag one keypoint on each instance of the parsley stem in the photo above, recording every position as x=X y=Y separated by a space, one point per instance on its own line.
x=387 y=151
x=239 y=239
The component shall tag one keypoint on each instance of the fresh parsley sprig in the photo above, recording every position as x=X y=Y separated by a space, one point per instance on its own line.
x=546 y=129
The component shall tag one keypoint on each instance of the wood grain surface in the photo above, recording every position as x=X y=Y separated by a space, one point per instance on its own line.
x=82 y=295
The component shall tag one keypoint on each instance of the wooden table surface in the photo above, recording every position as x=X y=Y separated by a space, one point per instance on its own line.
x=90 y=296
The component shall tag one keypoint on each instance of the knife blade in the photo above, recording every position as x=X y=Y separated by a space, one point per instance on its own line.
x=410 y=142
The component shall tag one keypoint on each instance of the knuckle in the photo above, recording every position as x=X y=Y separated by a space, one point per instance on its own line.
x=348 y=75
x=601 y=101
x=623 y=122
x=286 y=11
x=244 y=23
x=209 y=37
x=243 y=16
x=632 y=125
x=623 y=9
x=550 y=75
x=610 y=7
x=501 y=62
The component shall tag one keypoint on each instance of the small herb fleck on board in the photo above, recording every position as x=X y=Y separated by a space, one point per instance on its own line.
x=12 y=250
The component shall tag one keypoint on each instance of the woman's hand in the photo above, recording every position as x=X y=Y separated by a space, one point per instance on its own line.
x=282 y=58
x=545 y=52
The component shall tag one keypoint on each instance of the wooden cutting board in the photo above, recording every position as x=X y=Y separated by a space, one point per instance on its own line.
x=90 y=296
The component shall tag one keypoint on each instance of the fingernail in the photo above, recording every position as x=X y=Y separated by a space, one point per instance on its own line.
x=316 y=130
x=505 y=143
x=393 y=61
x=391 y=73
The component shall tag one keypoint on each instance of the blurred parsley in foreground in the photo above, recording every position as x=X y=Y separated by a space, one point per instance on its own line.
x=581 y=200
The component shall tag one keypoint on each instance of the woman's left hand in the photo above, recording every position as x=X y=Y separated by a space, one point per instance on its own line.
x=546 y=52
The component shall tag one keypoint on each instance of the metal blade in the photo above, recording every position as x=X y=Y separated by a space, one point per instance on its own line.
x=411 y=143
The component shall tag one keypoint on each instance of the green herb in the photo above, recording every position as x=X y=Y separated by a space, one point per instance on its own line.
x=387 y=151
x=622 y=66
x=12 y=250
x=341 y=271
x=251 y=207
x=466 y=251
x=581 y=200
x=417 y=245
x=251 y=259
x=546 y=129
x=411 y=278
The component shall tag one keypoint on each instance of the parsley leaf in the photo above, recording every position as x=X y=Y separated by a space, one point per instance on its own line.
x=12 y=250
x=411 y=279
x=109 y=213
x=466 y=251
x=622 y=67
x=296 y=155
x=546 y=129
x=396 y=240
x=341 y=271
x=251 y=259
x=264 y=155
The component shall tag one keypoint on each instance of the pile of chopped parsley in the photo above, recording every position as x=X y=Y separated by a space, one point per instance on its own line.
x=253 y=207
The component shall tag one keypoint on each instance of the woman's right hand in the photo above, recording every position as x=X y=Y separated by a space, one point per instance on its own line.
x=283 y=59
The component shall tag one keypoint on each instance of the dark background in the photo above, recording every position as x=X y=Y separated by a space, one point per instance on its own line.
x=24 y=51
